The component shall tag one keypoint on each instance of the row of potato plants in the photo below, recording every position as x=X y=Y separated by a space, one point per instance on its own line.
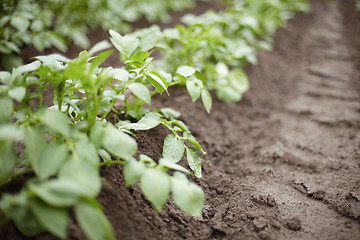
x=60 y=149
x=47 y=23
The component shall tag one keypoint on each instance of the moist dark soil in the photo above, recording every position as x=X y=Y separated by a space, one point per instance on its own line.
x=284 y=163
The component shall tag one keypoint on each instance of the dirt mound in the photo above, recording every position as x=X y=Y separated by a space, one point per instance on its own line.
x=284 y=163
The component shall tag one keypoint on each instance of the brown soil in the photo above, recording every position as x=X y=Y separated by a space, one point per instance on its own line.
x=284 y=163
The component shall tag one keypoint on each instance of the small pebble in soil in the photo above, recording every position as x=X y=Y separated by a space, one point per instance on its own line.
x=259 y=224
x=294 y=224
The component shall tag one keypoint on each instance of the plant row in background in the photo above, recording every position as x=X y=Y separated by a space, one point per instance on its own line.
x=47 y=23
x=62 y=147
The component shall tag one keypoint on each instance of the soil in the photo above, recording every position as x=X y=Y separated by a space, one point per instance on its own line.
x=284 y=163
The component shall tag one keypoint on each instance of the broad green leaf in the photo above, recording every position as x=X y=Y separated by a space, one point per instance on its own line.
x=6 y=108
x=228 y=94
x=26 y=68
x=173 y=148
x=100 y=47
x=17 y=93
x=170 y=113
x=20 y=23
x=80 y=39
x=155 y=184
x=193 y=90
x=133 y=170
x=149 y=121
x=140 y=57
x=187 y=196
x=99 y=59
x=7 y=160
x=97 y=134
x=119 y=143
x=157 y=81
x=191 y=139
x=194 y=161
x=170 y=164
x=148 y=40
x=54 y=219
x=50 y=160
x=16 y=207
x=56 y=121
x=126 y=45
x=185 y=71
x=181 y=125
x=86 y=151
x=206 y=99
x=58 y=42
x=10 y=132
x=93 y=221
x=121 y=74
x=140 y=91
x=58 y=192
x=35 y=146
x=83 y=173
x=222 y=69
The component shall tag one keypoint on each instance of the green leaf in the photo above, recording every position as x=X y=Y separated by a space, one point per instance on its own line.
x=8 y=159
x=93 y=221
x=20 y=23
x=17 y=93
x=99 y=47
x=16 y=207
x=173 y=148
x=58 y=42
x=157 y=81
x=191 y=139
x=126 y=45
x=148 y=121
x=87 y=152
x=140 y=91
x=187 y=196
x=26 y=68
x=99 y=59
x=56 y=121
x=170 y=113
x=149 y=39
x=194 y=161
x=50 y=160
x=82 y=172
x=6 y=108
x=10 y=132
x=185 y=71
x=58 y=192
x=54 y=219
x=133 y=170
x=155 y=184
x=228 y=94
x=119 y=143
x=206 y=99
x=169 y=164
x=193 y=89
x=35 y=146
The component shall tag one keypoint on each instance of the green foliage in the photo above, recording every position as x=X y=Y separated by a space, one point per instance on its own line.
x=43 y=24
x=219 y=44
x=65 y=144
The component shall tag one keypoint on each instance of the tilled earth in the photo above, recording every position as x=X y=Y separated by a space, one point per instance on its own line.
x=284 y=163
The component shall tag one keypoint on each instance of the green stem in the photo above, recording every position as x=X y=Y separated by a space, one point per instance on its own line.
x=121 y=162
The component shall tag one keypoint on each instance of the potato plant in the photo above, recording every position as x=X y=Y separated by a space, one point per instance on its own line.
x=221 y=44
x=46 y=23
x=97 y=111
x=66 y=144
